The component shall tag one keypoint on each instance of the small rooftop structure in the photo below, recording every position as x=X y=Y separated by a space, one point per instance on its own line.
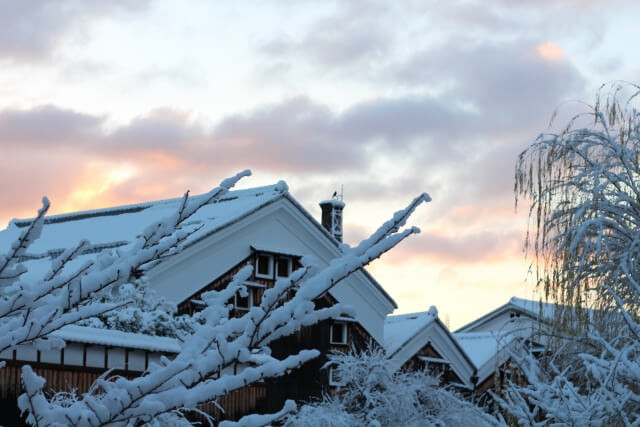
x=424 y=337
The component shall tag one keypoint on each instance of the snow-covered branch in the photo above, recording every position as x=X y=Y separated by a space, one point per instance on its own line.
x=221 y=355
x=32 y=306
x=584 y=189
x=372 y=392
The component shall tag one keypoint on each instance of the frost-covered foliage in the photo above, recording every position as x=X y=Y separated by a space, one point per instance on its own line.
x=584 y=188
x=142 y=311
x=374 y=393
x=606 y=392
x=222 y=353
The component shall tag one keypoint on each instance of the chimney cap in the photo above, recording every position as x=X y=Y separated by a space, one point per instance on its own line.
x=333 y=202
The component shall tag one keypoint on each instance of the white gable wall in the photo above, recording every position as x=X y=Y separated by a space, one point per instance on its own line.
x=279 y=224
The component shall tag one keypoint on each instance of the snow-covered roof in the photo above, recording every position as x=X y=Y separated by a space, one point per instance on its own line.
x=543 y=310
x=236 y=211
x=117 y=226
x=401 y=328
x=482 y=346
x=406 y=334
x=487 y=350
x=107 y=337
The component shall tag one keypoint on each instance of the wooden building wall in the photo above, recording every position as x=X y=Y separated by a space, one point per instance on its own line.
x=64 y=371
x=302 y=384
x=58 y=378
x=447 y=375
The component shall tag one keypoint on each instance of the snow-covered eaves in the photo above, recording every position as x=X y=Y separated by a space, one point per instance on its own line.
x=113 y=338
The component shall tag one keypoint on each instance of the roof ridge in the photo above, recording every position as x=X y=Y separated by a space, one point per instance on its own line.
x=429 y=313
x=138 y=207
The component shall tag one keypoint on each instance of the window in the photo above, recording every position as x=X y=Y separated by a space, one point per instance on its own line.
x=264 y=266
x=243 y=303
x=334 y=380
x=283 y=267
x=338 y=333
x=437 y=365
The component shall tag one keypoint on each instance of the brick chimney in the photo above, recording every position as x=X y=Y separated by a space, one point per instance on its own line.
x=332 y=215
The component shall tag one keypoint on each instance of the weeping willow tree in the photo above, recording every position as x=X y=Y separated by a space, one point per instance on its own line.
x=583 y=186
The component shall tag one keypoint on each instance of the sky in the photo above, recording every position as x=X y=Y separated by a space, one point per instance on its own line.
x=107 y=103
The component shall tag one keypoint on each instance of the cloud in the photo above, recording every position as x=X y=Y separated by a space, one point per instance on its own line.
x=349 y=34
x=476 y=247
x=160 y=130
x=498 y=96
x=31 y=29
x=511 y=84
x=47 y=125
x=302 y=135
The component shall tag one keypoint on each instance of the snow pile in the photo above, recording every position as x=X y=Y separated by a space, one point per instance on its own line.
x=87 y=335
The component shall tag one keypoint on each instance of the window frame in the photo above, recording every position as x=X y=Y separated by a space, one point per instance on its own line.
x=270 y=265
x=344 y=340
x=289 y=266
x=332 y=382
x=249 y=301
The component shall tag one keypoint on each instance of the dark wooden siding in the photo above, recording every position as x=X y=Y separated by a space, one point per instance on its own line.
x=447 y=375
x=58 y=378
x=303 y=384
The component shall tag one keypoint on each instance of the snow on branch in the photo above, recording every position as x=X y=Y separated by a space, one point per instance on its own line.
x=583 y=185
x=372 y=392
x=201 y=371
x=32 y=308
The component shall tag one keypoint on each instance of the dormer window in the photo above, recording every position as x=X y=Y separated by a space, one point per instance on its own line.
x=264 y=266
x=338 y=333
x=283 y=267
